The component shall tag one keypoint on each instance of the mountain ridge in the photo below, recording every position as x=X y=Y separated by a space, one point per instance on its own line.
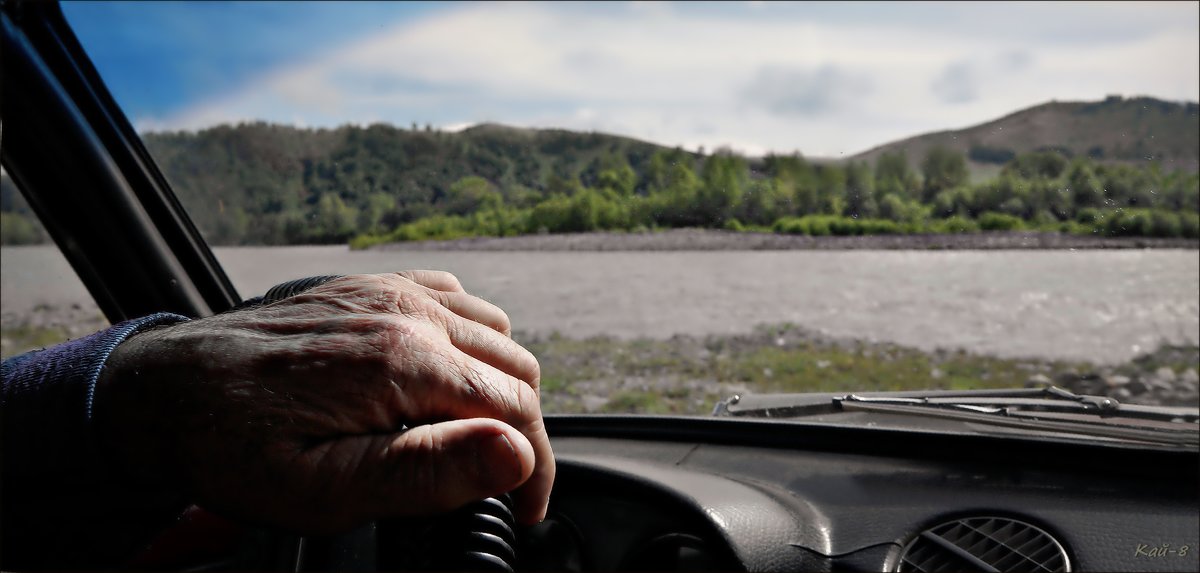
x=1176 y=149
x=1038 y=127
x=1115 y=129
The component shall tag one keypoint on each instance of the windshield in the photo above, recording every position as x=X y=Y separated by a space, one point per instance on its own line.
x=677 y=203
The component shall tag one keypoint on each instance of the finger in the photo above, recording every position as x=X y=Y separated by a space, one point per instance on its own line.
x=436 y=280
x=481 y=390
x=533 y=497
x=439 y=467
x=494 y=348
x=447 y=291
x=425 y=470
x=474 y=309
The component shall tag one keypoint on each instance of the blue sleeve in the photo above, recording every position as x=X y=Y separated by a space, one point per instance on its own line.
x=63 y=507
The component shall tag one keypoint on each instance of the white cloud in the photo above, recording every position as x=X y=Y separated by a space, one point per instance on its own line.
x=756 y=77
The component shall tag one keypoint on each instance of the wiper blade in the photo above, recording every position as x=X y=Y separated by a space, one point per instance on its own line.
x=1041 y=399
x=1045 y=410
x=1178 y=433
x=1050 y=399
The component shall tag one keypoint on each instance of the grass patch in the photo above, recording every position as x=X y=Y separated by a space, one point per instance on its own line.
x=687 y=375
x=21 y=339
x=862 y=367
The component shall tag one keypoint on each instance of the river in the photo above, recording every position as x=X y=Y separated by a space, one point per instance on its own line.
x=1099 y=306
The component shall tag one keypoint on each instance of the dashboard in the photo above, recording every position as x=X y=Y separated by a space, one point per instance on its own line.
x=894 y=502
x=640 y=493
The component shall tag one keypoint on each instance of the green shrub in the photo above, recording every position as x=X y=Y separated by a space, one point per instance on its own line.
x=360 y=242
x=1088 y=215
x=1077 y=228
x=1043 y=221
x=821 y=225
x=1189 y=225
x=1129 y=223
x=788 y=225
x=817 y=226
x=955 y=224
x=880 y=227
x=992 y=221
x=844 y=226
x=1164 y=224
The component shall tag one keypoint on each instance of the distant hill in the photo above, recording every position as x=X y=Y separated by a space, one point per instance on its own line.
x=1116 y=129
x=260 y=183
x=409 y=164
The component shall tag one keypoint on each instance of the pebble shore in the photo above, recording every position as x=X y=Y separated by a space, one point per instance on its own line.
x=719 y=240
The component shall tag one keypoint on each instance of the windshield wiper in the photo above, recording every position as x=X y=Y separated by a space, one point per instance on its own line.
x=1050 y=399
x=1048 y=409
x=1041 y=417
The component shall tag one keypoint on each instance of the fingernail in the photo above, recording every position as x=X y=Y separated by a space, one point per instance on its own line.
x=499 y=463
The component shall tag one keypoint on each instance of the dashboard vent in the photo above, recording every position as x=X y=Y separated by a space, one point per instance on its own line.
x=984 y=544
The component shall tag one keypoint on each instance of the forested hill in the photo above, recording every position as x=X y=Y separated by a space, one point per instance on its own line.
x=1113 y=130
x=387 y=175
x=272 y=184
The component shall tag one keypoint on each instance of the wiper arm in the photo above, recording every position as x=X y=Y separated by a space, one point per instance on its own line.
x=1050 y=399
x=1016 y=417
x=953 y=403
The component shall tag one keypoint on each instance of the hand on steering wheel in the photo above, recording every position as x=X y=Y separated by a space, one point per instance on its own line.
x=366 y=397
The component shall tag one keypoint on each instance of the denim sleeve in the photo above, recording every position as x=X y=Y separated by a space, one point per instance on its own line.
x=63 y=507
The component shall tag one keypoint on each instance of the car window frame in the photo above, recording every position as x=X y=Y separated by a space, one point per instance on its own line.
x=85 y=172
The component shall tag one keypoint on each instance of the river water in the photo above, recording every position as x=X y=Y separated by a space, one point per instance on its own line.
x=1100 y=306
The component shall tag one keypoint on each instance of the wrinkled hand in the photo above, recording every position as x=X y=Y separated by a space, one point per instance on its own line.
x=293 y=414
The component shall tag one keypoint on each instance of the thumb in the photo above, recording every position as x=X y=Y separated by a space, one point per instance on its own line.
x=439 y=467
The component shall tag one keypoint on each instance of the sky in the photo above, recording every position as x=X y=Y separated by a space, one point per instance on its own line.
x=824 y=79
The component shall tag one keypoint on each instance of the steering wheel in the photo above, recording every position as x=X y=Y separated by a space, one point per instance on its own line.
x=477 y=537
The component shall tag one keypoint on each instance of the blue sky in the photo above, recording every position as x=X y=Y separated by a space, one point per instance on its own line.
x=826 y=79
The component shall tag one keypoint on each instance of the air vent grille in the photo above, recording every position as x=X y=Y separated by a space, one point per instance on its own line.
x=984 y=544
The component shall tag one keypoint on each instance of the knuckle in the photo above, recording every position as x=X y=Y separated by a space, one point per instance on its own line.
x=504 y=324
x=484 y=391
x=449 y=279
x=444 y=280
x=419 y=465
x=528 y=407
x=530 y=367
x=500 y=396
x=415 y=304
x=443 y=298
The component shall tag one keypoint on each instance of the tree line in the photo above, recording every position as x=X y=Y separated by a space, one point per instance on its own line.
x=270 y=184
x=788 y=194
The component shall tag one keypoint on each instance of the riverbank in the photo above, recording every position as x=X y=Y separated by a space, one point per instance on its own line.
x=721 y=240
x=689 y=374
x=47 y=325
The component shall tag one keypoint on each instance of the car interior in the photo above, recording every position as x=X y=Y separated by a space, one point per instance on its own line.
x=791 y=483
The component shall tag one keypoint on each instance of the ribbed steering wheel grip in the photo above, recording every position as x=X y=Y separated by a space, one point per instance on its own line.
x=284 y=290
x=295 y=287
x=482 y=534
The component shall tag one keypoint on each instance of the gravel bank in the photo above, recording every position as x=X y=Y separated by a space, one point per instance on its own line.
x=718 y=240
x=689 y=374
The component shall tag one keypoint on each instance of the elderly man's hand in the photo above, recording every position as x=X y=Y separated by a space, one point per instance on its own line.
x=293 y=414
